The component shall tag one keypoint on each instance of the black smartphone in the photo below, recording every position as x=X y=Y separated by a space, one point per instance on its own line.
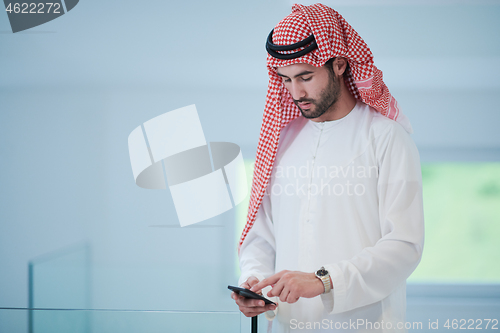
x=249 y=294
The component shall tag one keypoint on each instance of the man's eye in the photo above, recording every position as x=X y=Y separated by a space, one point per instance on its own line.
x=286 y=80
x=305 y=79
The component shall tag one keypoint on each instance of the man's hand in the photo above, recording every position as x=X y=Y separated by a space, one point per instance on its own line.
x=289 y=286
x=251 y=307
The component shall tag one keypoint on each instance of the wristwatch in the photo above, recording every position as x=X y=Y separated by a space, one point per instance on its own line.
x=324 y=276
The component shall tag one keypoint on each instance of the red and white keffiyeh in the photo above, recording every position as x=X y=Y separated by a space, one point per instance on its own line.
x=334 y=37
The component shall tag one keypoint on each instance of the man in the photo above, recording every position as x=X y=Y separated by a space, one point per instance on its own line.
x=335 y=224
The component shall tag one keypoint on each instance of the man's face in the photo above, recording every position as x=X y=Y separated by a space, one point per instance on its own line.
x=314 y=90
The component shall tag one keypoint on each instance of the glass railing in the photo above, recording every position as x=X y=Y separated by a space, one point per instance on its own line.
x=63 y=297
x=61 y=279
x=111 y=321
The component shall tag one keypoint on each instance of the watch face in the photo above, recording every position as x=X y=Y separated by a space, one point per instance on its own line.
x=322 y=272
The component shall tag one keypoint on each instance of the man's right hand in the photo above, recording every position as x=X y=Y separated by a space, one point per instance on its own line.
x=251 y=307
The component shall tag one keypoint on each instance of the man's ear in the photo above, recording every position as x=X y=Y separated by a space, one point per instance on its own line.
x=339 y=66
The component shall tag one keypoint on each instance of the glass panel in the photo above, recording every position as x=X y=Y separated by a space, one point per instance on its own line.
x=103 y=321
x=70 y=279
x=61 y=279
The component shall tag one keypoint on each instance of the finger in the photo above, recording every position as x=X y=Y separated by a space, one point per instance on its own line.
x=284 y=294
x=292 y=298
x=267 y=282
x=257 y=310
x=270 y=307
x=253 y=310
x=253 y=313
x=252 y=281
x=250 y=303
x=277 y=289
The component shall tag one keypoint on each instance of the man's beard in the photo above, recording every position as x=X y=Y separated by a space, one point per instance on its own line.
x=327 y=98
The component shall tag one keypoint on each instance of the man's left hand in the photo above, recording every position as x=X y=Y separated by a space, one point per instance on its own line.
x=289 y=286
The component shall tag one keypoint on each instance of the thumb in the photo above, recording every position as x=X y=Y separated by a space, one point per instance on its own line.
x=252 y=281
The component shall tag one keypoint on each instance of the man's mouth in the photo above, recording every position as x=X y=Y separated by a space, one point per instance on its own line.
x=304 y=105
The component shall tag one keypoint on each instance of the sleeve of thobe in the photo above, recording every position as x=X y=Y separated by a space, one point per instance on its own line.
x=377 y=271
x=258 y=251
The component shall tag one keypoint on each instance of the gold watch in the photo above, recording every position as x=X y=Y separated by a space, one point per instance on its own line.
x=324 y=276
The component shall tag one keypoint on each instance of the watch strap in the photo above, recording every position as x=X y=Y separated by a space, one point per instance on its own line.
x=325 y=280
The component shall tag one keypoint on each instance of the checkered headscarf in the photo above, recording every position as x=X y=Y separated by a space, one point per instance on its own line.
x=334 y=37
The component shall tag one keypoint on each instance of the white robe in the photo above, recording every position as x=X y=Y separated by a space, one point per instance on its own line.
x=347 y=195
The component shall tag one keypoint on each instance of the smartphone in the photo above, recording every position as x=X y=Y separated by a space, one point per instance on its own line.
x=249 y=294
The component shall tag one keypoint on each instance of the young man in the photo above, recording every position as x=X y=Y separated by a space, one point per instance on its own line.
x=335 y=224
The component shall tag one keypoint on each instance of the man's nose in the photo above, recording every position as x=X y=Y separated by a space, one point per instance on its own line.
x=297 y=91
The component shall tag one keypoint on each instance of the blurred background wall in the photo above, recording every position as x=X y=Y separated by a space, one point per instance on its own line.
x=73 y=89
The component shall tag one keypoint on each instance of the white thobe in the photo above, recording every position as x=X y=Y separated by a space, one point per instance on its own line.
x=347 y=195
